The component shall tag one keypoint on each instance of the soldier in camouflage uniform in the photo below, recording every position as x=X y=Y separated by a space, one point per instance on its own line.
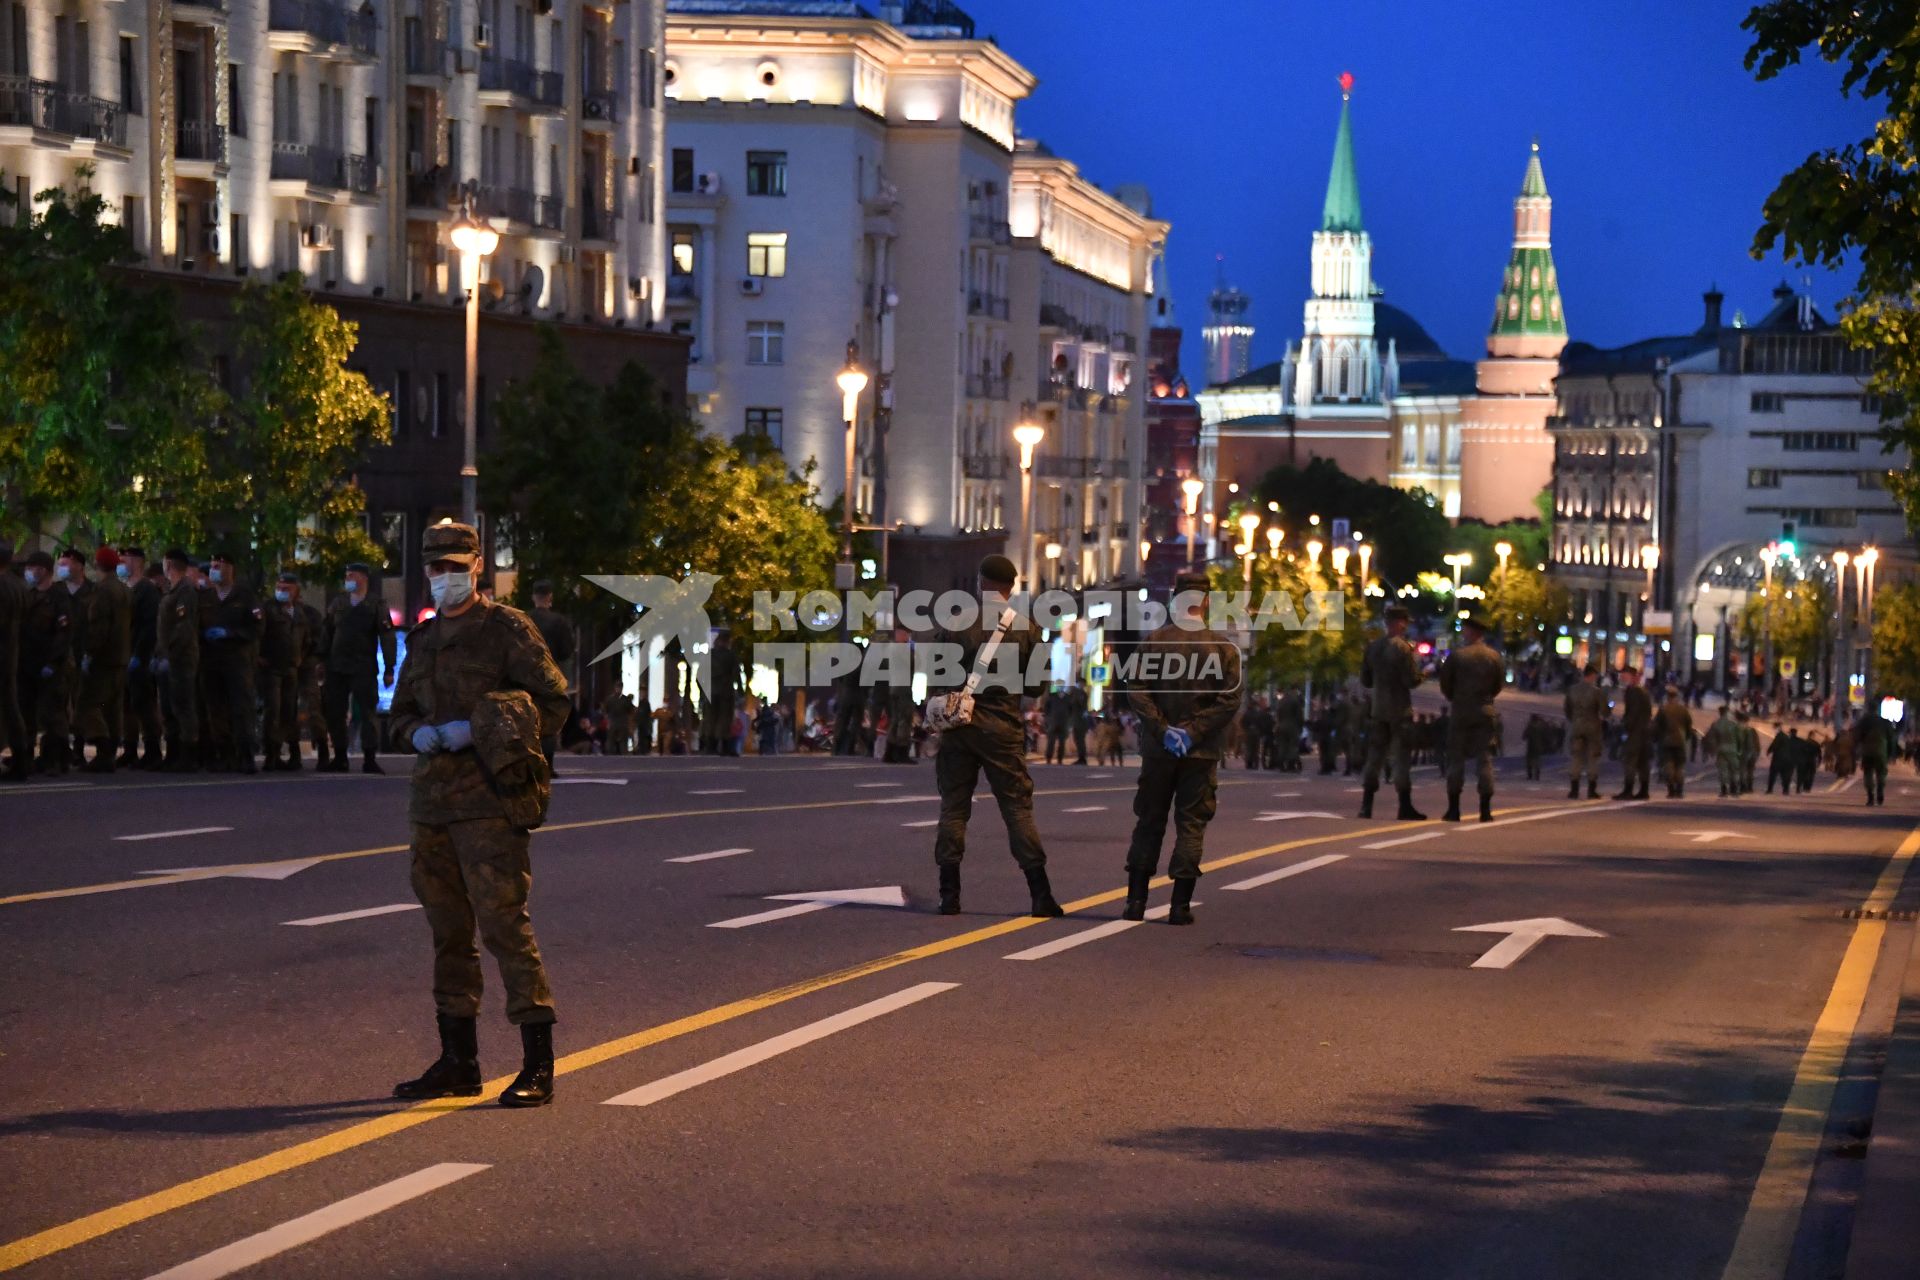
x=470 y=864
x=140 y=708
x=1471 y=678
x=1586 y=709
x=176 y=663
x=46 y=662
x=1675 y=725
x=1391 y=670
x=1184 y=719
x=995 y=741
x=13 y=726
x=103 y=672
x=285 y=648
x=1636 y=718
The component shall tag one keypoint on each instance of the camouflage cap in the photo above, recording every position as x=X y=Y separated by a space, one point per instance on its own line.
x=1476 y=621
x=450 y=540
x=999 y=569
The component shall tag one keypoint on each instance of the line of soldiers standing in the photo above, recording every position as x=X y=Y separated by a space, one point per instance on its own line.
x=173 y=665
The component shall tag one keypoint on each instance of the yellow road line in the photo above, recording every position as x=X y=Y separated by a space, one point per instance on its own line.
x=19 y=1253
x=1764 y=1245
x=151 y=882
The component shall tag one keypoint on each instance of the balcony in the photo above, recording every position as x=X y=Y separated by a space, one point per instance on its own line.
x=549 y=213
x=316 y=26
x=984 y=386
x=983 y=466
x=599 y=106
x=190 y=10
x=682 y=289
x=597 y=223
x=515 y=204
x=1081 y=467
x=200 y=140
x=986 y=304
x=535 y=90
x=1055 y=316
x=425 y=55
x=52 y=111
x=430 y=189
x=320 y=169
x=987 y=227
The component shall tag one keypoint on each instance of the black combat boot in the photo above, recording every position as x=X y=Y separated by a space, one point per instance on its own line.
x=1573 y=789
x=294 y=764
x=1453 y=807
x=1043 y=904
x=151 y=759
x=1137 y=882
x=320 y=757
x=129 y=754
x=1181 y=912
x=456 y=1072
x=102 y=757
x=1593 y=788
x=1366 y=802
x=533 y=1087
x=243 y=760
x=950 y=889
x=1407 y=812
x=1486 y=808
x=370 y=765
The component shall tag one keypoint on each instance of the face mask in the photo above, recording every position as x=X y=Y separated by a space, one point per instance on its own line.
x=33 y=577
x=449 y=589
x=62 y=571
x=353 y=587
x=283 y=596
x=121 y=572
x=217 y=577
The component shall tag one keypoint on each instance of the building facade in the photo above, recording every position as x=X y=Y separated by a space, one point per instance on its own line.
x=1228 y=334
x=1173 y=441
x=843 y=175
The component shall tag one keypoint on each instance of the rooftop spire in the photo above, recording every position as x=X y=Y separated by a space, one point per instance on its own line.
x=1529 y=301
x=1342 y=209
x=1535 y=183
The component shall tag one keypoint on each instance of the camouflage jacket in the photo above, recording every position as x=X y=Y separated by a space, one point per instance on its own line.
x=1471 y=678
x=1202 y=697
x=452 y=663
x=178 y=627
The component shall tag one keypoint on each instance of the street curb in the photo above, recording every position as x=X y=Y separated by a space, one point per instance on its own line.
x=1886 y=1230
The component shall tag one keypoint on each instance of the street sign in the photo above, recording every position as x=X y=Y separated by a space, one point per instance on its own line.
x=1658 y=622
x=1789 y=668
x=1342 y=530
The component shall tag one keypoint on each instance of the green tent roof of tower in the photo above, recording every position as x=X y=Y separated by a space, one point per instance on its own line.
x=1529 y=301
x=1342 y=210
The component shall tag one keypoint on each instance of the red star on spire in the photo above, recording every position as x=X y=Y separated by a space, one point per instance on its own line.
x=1346 y=83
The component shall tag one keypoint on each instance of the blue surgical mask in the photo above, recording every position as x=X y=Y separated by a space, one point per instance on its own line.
x=449 y=589
x=121 y=572
x=62 y=571
x=283 y=595
x=217 y=576
x=33 y=577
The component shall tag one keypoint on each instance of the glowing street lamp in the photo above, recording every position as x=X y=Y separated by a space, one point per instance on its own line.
x=1275 y=536
x=1339 y=558
x=1458 y=560
x=1840 y=561
x=1191 y=487
x=1314 y=548
x=1028 y=435
x=1053 y=563
x=852 y=380
x=1366 y=559
x=474 y=239
x=1503 y=549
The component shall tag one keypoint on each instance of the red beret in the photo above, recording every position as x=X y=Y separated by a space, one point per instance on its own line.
x=106 y=558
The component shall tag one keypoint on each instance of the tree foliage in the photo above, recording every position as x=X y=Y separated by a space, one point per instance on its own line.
x=612 y=480
x=1797 y=615
x=1406 y=527
x=1859 y=201
x=1283 y=657
x=1524 y=604
x=1896 y=642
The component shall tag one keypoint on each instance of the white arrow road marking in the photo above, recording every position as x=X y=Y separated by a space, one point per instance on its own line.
x=1084 y=936
x=718 y=791
x=1088 y=808
x=924 y=822
x=1282 y=815
x=304 y=1230
x=889 y=896
x=709 y=857
x=240 y=870
x=168 y=835
x=1709 y=837
x=1294 y=870
x=753 y=1055
x=362 y=914
x=590 y=782
x=1522 y=937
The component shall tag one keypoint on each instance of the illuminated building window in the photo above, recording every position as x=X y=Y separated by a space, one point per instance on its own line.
x=766 y=253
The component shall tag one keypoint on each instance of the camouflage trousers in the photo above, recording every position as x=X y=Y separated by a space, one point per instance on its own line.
x=1584 y=750
x=1673 y=765
x=279 y=710
x=1384 y=738
x=476 y=873
x=97 y=705
x=1001 y=751
x=1728 y=765
x=1189 y=789
x=180 y=702
x=1469 y=740
x=1634 y=754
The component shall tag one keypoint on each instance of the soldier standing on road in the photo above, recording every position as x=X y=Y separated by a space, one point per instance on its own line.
x=177 y=663
x=1873 y=745
x=1256 y=729
x=1288 y=718
x=1749 y=751
x=470 y=864
x=46 y=662
x=1586 y=709
x=1808 y=762
x=1782 y=754
x=1391 y=670
x=1077 y=715
x=357 y=641
x=140 y=708
x=1636 y=720
x=723 y=695
x=230 y=637
x=1471 y=678
x=310 y=719
x=1676 y=729
x=1057 y=712
x=994 y=741
x=619 y=710
x=14 y=595
x=103 y=667
x=1183 y=731
x=1535 y=737
x=1723 y=740
x=558 y=634
x=285 y=644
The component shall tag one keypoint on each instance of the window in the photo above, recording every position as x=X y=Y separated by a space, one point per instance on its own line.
x=1762 y=478
x=402 y=402
x=133 y=216
x=236 y=102
x=1769 y=402
x=683 y=169
x=442 y=404
x=682 y=254
x=239 y=252
x=766 y=173
x=766 y=424
x=766 y=253
x=1873 y=479
x=766 y=341
x=1820 y=442
x=129 y=80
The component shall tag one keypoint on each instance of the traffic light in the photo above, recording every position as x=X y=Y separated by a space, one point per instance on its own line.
x=1786 y=539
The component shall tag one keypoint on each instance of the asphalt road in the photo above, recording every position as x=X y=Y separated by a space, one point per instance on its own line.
x=1316 y=1080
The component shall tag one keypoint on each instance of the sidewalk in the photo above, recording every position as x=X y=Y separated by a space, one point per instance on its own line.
x=1886 y=1223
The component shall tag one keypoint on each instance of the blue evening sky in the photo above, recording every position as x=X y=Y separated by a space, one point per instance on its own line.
x=1659 y=147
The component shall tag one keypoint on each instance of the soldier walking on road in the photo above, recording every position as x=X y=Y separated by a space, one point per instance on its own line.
x=140 y=708
x=1749 y=751
x=477 y=665
x=1782 y=755
x=230 y=637
x=1586 y=709
x=1636 y=719
x=14 y=598
x=1183 y=732
x=1289 y=717
x=356 y=641
x=1676 y=730
x=1391 y=670
x=619 y=710
x=46 y=663
x=1723 y=740
x=994 y=740
x=1470 y=679
x=1874 y=744
x=176 y=663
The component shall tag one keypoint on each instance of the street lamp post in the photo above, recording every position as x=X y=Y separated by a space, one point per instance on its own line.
x=1866 y=562
x=1459 y=560
x=1275 y=536
x=1314 y=548
x=1053 y=564
x=1769 y=554
x=1339 y=557
x=852 y=380
x=474 y=239
x=1366 y=560
x=1191 y=487
x=1249 y=522
x=1840 y=559
x=1028 y=436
